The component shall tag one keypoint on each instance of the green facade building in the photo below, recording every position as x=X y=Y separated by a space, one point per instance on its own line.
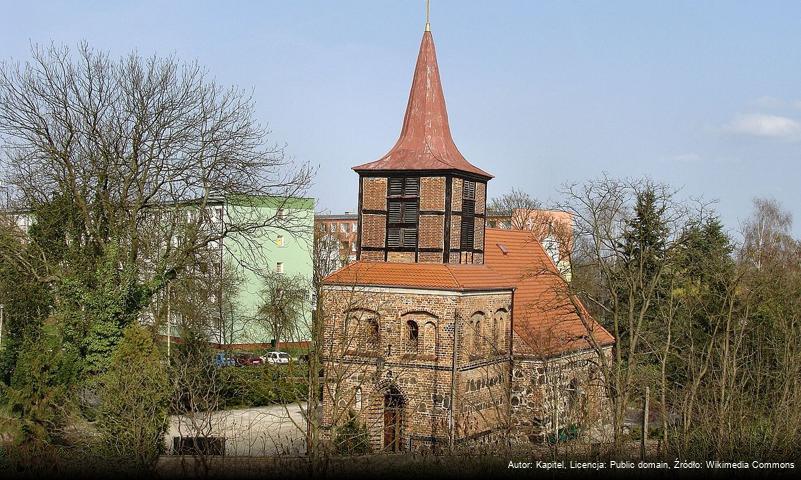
x=257 y=252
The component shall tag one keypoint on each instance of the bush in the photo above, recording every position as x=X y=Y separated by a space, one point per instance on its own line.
x=134 y=398
x=352 y=437
x=263 y=385
x=40 y=392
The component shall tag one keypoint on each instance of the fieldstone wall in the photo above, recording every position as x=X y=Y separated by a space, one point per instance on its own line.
x=554 y=394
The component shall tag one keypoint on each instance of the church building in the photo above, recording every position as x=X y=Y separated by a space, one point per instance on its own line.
x=445 y=332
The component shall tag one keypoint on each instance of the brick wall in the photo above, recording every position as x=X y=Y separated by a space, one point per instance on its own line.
x=400 y=257
x=432 y=232
x=456 y=195
x=432 y=193
x=374 y=193
x=481 y=197
x=422 y=376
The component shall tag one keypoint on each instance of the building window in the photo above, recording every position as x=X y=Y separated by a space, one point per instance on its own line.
x=373 y=337
x=430 y=339
x=358 y=398
x=468 y=215
x=412 y=336
x=403 y=201
x=280 y=214
x=279 y=267
x=280 y=241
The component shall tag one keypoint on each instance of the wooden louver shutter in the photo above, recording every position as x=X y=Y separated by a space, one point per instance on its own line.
x=409 y=237
x=469 y=190
x=394 y=237
x=395 y=187
x=412 y=187
x=410 y=212
x=395 y=212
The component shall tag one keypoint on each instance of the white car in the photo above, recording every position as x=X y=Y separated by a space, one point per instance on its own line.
x=276 y=358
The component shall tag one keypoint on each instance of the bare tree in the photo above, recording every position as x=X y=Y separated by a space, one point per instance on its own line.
x=516 y=207
x=625 y=232
x=139 y=147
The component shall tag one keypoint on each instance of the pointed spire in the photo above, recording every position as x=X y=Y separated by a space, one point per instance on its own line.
x=428 y=13
x=425 y=141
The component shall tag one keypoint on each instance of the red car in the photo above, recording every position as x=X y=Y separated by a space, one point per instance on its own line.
x=247 y=359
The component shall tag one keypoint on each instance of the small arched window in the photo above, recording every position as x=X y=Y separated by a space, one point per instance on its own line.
x=430 y=339
x=358 y=398
x=499 y=322
x=372 y=335
x=412 y=336
x=474 y=341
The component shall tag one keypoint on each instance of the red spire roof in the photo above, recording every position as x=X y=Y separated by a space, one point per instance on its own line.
x=425 y=141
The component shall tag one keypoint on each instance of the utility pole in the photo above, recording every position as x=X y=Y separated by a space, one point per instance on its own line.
x=644 y=435
x=169 y=325
x=2 y=307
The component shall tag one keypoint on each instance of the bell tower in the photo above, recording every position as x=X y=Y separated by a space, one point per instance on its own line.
x=423 y=202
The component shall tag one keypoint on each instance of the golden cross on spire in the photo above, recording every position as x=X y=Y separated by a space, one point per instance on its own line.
x=428 y=9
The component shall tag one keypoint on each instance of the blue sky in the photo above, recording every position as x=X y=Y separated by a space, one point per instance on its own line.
x=703 y=95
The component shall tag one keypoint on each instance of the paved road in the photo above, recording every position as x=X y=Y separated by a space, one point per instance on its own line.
x=273 y=430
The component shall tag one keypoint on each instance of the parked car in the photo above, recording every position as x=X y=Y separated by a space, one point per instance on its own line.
x=276 y=358
x=248 y=359
x=223 y=360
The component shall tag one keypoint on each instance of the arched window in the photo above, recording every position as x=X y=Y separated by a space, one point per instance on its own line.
x=358 y=398
x=412 y=337
x=475 y=343
x=351 y=339
x=372 y=335
x=499 y=322
x=430 y=339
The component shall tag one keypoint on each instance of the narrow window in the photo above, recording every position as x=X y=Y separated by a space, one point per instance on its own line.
x=280 y=214
x=372 y=334
x=412 y=336
x=279 y=240
x=468 y=215
x=279 y=267
x=402 y=211
x=358 y=398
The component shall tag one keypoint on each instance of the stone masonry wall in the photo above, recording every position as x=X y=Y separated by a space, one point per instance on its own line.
x=360 y=373
x=553 y=394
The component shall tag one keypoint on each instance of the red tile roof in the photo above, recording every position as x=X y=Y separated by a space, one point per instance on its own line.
x=425 y=141
x=435 y=276
x=544 y=316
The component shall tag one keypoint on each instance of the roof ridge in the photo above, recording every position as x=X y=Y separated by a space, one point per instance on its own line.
x=453 y=276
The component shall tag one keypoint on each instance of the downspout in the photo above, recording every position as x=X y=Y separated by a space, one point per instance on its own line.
x=511 y=364
x=451 y=425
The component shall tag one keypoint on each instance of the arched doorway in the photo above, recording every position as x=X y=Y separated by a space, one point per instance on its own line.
x=393 y=420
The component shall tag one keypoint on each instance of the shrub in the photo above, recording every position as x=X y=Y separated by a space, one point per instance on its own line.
x=40 y=392
x=262 y=385
x=134 y=397
x=352 y=438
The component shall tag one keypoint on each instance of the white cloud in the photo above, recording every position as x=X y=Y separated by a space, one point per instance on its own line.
x=764 y=125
